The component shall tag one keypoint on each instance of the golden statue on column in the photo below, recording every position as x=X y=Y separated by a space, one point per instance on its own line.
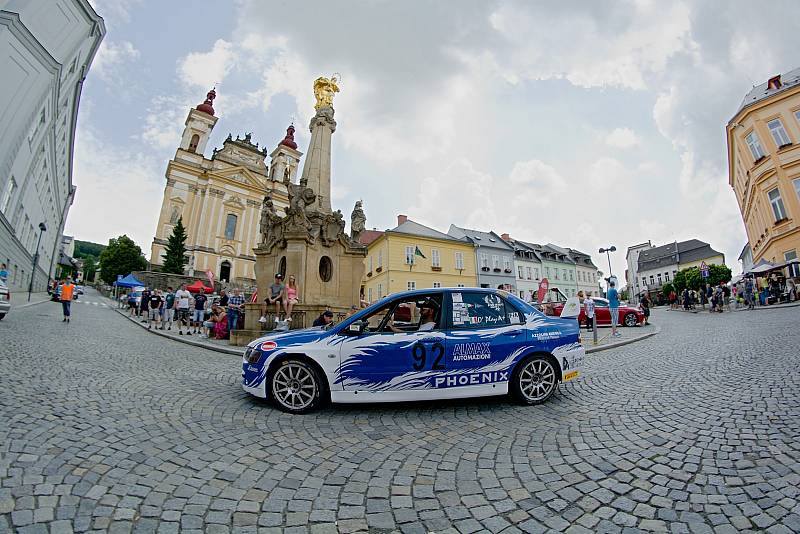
x=324 y=89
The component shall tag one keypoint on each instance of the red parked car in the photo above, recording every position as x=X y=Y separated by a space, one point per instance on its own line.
x=628 y=315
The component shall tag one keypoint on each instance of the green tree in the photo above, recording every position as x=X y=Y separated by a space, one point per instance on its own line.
x=175 y=254
x=121 y=256
x=693 y=278
x=667 y=288
x=85 y=249
x=89 y=269
x=679 y=281
x=718 y=273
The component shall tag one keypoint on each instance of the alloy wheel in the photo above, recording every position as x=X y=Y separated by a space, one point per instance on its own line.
x=294 y=386
x=537 y=379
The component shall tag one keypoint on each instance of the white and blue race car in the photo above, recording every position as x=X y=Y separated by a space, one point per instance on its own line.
x=419 y=345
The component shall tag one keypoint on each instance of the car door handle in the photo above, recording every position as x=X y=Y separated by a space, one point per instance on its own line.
x=512 y=333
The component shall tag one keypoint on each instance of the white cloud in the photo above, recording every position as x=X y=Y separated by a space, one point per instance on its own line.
x=119 y=192
x=111 y=58
x=622 y=138
x=206 y=69
x=163 y=123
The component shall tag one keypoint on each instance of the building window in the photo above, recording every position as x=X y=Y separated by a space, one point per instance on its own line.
x=528 y=273
x=459 y=260
x=547 y=272
x=437 y=284
x=409 y=255
x=411 y=285
x=193 y=143
x=652 y=280
x=435 y=262
x=369 y=294
x=755 y=146
x=536 y=273
x=7 y=194
x=369 y=270
x=666 y=276
x=495 y=261
x=571 y=276
x=565 y=273
x=778 y=133
x=777 y=204
x=796 y=183
x=506 y=263
x=644 y=282
x=659 y=279
x=230 y=226
x=484 y=260
x=555 y=273
x=380 y=259
x=380 y=291
x=519 y=271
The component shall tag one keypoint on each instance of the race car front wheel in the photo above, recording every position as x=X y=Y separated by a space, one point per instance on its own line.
x=534 y=380
x=296 y=386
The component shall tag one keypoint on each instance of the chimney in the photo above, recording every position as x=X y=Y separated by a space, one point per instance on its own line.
x=774 y=83
x=401 y=219
x=505 y=237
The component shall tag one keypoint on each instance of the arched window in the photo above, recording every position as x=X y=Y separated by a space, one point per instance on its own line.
x=230 y=226
x=225 y=271
x=193 y=143
x=282 y=267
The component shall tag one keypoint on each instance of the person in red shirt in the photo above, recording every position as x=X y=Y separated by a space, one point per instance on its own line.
x=67 y=292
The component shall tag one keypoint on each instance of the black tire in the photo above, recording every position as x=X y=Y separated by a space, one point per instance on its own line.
x=630 y=320
x=295 y=386
x=534 y=380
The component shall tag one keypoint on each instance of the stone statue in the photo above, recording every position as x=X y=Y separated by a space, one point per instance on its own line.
x=270 y=225
x=358 y=221
x=324 y=89
x=300 y=198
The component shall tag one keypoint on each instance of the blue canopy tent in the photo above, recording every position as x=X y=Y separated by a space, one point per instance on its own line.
x=129 y=281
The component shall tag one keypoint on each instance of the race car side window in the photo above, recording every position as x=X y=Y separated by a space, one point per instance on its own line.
x=478 y=310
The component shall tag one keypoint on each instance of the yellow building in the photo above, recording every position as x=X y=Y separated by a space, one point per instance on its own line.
x=764 y=166
x=413 y=256
x=219 y=198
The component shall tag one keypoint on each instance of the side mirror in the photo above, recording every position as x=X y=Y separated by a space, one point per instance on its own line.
x=356 y=328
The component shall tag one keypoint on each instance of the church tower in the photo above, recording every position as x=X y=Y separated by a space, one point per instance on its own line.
x=285 y=159
x=199 y=123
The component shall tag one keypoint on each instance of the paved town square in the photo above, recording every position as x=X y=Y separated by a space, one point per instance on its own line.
x=104 y=426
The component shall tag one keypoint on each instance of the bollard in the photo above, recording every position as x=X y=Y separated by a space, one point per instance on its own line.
x=594 y=328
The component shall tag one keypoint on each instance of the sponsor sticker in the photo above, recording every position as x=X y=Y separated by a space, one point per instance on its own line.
x=268 y=346
x=569 y=376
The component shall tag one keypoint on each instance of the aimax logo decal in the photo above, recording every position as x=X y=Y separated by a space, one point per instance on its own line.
x=268 y=346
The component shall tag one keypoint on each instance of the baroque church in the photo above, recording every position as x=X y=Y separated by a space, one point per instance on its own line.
x=220 y=198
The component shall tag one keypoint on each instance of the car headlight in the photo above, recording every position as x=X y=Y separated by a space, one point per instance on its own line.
x=252 y=355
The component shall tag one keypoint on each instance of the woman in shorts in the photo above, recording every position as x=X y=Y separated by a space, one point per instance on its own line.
x=290 y=296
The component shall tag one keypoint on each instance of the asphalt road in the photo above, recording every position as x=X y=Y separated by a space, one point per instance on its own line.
x=106 y=427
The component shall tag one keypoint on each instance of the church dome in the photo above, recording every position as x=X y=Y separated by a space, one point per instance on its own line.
x=206 y=106
x=289 y=139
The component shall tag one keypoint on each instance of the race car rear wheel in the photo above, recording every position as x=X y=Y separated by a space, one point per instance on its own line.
x=295 y=386
x=535 y=380
x=630 y=320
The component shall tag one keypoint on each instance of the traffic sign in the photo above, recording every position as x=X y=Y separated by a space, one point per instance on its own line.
x=703 y=266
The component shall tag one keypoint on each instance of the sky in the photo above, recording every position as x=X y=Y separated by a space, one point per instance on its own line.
x=585 y=124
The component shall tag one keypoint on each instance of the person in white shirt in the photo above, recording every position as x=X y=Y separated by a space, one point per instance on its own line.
x=588 y=306
x=182 y=298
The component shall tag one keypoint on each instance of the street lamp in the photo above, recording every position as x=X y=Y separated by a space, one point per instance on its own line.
x=42 y=229
x=612 y=248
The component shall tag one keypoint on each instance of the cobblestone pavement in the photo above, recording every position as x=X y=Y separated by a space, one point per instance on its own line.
x=104 y=427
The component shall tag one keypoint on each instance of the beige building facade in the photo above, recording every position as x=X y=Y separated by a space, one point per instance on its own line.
x=764 y=167
x=219 y=198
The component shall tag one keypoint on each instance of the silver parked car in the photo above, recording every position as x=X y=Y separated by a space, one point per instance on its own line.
x=5 y=300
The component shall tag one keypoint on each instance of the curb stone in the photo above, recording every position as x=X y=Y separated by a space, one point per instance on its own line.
x=590 y=350
x=187 y=341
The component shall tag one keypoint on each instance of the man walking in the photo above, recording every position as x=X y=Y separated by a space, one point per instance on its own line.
x=613 y=307
x=168 y=315
x=154 y=307
x=67 y=292
x=182 y=297
x=235 y=304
